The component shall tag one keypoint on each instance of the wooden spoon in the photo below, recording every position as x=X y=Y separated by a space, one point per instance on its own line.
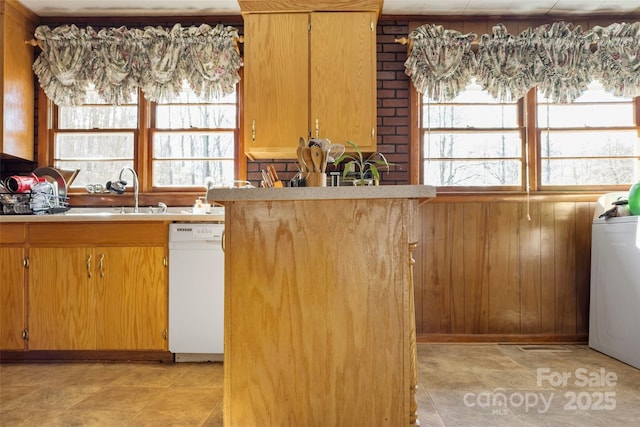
x=317 y=156
x=304 y=168
x=308 y=160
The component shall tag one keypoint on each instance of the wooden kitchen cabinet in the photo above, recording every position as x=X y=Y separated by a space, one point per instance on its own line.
x=319 y=331
x=132 y=304
x=62 y=299
x=309 y=75
x=105 y=291
x=12 y=291
x=16 y=81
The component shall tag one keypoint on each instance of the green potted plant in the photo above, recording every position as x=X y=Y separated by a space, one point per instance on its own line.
x=361 y=166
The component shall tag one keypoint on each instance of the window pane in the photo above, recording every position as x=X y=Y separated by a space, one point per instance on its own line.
x=594 y=108
x=461 y=144
x=589 y=144
x=212 y=152
x=89 y=146
x=187 y=96
x=99 y=117
x=99 y=157
x=185 y=173
x=589 y=115
x=470 y=116
x=193 y=145
x=471 y=145
x=589 y=171
x=472 y=173
x=97 y=114
x=203 y=144
x=94 y=172
x=196 y=116
x=589 y=155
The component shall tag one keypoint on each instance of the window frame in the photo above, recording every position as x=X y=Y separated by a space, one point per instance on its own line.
x=153 y=129
x=531 y=141
x=519 y=127
x=142 y=157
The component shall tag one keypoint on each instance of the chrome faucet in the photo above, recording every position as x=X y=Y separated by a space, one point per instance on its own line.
x=119 y=187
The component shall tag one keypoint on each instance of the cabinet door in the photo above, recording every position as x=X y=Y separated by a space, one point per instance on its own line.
x=132 y=299
x=276 y=94
x=343 y=77
x=12 y=311
x=17 y=87
x=62 y=299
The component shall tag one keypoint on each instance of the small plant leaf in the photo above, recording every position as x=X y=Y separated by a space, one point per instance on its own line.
x=374 y=172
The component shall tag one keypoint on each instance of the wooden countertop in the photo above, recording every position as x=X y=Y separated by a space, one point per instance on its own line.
x=222 y=195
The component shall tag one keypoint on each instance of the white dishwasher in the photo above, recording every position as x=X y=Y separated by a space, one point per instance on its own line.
x=196 y=292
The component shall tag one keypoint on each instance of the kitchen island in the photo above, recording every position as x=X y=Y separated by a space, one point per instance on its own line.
x=319 y=316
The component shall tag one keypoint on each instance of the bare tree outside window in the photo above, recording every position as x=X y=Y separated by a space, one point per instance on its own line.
x=472 y=140
x=190 y=140
x=475 y=141
x=592 y=141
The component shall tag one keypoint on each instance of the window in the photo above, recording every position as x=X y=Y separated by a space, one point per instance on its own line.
x=97 y=138
x=193 y=140
x=475 y=142
x=592 y=141
x=189 y=141
x=471 y=141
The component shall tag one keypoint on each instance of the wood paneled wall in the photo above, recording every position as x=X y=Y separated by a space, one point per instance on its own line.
x=503 y=271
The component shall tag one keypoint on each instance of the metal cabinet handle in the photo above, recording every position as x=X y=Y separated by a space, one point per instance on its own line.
x=101 y=265
x=223 y=241
x=89 y=266
x=253 y=130
x=317 y=128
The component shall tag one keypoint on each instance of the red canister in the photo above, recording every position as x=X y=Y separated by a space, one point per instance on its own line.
x=21 y=183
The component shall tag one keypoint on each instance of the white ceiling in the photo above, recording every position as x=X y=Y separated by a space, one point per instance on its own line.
x=391 y=7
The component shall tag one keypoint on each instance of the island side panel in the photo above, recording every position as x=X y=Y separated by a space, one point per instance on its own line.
x=316 y=313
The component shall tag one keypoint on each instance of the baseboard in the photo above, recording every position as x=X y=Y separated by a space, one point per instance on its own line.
x=85 y=356
x=504 y=338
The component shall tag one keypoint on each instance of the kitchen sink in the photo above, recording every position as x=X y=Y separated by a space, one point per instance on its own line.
x=112 y=212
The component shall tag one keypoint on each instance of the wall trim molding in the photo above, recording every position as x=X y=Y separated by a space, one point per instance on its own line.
x=504 y=338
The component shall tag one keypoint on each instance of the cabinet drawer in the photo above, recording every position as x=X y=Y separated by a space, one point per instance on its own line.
x=93 y=233
x=13 y=234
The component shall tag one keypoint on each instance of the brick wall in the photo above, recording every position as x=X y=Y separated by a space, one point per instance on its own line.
x=393 y=100
x=393 y=110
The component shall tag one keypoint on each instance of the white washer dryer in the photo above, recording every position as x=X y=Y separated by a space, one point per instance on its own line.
x=614 y=312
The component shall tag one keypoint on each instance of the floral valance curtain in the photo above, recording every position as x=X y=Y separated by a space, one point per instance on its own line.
x=441 y=61
x=558 y=59
x=119 y=60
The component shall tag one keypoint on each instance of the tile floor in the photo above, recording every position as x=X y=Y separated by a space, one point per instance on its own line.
x=460 y=385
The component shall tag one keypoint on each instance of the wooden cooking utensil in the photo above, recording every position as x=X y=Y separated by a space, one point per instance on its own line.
x=317 y=156
x=306 y=156
x=274 y=176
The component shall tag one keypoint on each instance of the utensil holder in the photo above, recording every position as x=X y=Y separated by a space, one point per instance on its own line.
x=317 y=179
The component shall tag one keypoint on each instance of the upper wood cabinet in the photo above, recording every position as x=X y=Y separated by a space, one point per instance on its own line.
x=276 y=84
x=310 y=75
x=16 y=81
